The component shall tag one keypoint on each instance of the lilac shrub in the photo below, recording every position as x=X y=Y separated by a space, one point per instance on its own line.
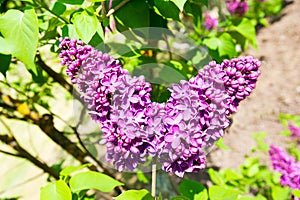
x=287 y=166
x=173 y=133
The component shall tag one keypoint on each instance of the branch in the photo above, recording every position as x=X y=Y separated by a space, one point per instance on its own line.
x=113 y=10
x=57 y=77
x=13 y=143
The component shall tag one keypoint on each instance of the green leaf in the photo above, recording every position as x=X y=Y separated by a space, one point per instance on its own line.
x=93 y=180
x=141 y=177
x=221 y=145
x=226 y=46
x=85 y=24
x=296 y=193
x=222 y=193
x=167 y=9
x=259 y=138
x=72 y=2
x=135 y=195
x=247 y=29
x=4 y=63
x=56 y=191
x=24 y=40
x=134 y=14
x=59 y=8
x=201 y=196
x=216 y=177
x=69 y=30
x=232 y=175
x=179 y=3
x=190 y=188
x=212 y=42
x=253 y=170
x=69 y=170
x=258 y=197
x=279 y=193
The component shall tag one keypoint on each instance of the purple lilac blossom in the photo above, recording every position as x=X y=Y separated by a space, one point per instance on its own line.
x=238 y=7
x=287 y=166
x=175 y=132
x=210 y=22
x=295 y=131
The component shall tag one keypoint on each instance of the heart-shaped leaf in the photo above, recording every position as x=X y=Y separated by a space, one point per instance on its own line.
x=86 y=25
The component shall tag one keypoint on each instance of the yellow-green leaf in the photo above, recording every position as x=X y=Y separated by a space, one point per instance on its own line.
x=20 y=36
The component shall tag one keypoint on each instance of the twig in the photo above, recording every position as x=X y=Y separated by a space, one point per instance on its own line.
x=9 y=153
x=113 y=10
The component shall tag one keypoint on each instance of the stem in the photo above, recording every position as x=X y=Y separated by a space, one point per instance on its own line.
x=153 y=187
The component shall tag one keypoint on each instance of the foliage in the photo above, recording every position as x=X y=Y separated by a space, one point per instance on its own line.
x=76 y=186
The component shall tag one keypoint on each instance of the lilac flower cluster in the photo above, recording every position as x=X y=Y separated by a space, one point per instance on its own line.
x=287 y=166
x=210 y=22
x=237 y=7
x=295 y=131
x=176 y=132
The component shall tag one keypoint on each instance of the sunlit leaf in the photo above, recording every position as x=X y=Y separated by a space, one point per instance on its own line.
x=247 y=29
x=93 y=180
x=69 y=170
x=222 y=193
x=135 y=195
x=279 y=193
x=85 y=24
x=56 y=191
x=23 y=42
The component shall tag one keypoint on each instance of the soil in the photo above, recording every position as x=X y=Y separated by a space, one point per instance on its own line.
x=277 y=91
